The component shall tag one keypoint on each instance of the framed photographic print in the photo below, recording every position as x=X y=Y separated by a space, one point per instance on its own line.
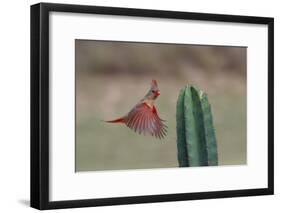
x=137 y=106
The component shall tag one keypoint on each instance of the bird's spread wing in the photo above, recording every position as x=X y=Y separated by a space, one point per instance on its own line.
x=144 y=119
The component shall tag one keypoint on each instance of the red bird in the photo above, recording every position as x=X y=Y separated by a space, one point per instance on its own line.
x=144 y=118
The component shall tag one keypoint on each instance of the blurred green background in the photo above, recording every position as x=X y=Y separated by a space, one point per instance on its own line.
x=111 y=77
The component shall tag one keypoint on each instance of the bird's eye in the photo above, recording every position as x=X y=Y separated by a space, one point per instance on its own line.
x=154 y=91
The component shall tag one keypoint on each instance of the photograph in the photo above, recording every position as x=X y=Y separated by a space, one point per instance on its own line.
x=132 y=105
x=142 y=105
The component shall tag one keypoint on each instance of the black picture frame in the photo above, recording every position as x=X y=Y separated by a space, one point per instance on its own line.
x=40 y=105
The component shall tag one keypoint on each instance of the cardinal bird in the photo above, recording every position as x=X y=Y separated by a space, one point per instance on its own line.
x=144 y=118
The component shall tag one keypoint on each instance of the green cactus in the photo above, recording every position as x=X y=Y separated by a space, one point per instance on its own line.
x=196 y=139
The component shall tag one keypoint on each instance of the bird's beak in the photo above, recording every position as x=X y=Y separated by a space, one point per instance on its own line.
x=158 y=93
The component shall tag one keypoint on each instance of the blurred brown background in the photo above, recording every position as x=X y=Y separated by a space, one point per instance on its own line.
x=111 y=77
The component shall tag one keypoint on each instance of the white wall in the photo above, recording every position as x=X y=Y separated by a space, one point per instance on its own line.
x=14 y=108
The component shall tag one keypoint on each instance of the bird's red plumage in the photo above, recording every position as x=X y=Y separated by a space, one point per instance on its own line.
x=118 y=120
x=144 y=119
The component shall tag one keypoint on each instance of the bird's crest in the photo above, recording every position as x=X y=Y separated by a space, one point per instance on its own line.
x=154 y=84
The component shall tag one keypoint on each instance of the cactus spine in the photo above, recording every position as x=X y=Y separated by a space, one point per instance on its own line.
x=196 y=140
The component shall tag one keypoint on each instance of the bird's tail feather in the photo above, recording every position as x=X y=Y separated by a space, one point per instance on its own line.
x=118 y=120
